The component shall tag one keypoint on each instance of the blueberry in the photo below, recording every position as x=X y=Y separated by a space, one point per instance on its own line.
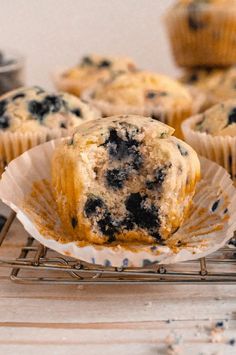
x=86 y=61
x=63 y=125
x=105 y=64
x=232 y=116
x=183 y=151
x=108 y=226
x=118 y=147
x=159 y=178
x=2 y=221
x=193 y=78
x=38 y=109
x=215 y=205
x=116 y=177
x=92 y=204
x=53 y=103
x=77 y=112
x=156 y=117
x=151 y=95
x=232 y=342
x=195 y=21
x=137 y=161
x=157 y=236
x=18 y=96
x=74 y=222
x=219 y=324
x=128 y=223
x=4 y=122
x=3 y=107
x=232 y=241
x=144 y=216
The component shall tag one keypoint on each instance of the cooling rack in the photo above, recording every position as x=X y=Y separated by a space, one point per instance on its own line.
x=37 y=264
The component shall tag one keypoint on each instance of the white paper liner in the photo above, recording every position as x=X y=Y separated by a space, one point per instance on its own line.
x=13 y=144
x=211 y=223
x=220 y=149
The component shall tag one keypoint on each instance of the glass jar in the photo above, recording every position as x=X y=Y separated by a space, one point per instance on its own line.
x=11 y=71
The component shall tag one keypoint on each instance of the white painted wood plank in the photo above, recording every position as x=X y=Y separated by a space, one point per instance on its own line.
x=130 y=309
x=124 y=349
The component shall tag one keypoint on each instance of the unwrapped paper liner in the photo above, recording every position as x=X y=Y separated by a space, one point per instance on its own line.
x=211 y=223
x=220 y=149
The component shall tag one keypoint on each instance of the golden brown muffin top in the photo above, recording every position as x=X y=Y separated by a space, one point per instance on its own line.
x=139 y=89
x=219 y=120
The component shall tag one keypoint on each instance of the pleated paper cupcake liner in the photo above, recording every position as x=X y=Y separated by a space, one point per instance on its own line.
x=172 y=117
x=13 y=144
x=25 y=187
x=211 y=45
x=220 y=149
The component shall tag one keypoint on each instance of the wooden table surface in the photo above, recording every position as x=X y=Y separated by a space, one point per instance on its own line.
x=41 y=319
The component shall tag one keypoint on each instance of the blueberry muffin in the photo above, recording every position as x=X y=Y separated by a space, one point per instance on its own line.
x=123 y=179
x=31 y=115
x=200 y=82
x=89 y=71
x=219 y=120
x=213 y=134
x=199 y=77
x=34 y=109
x=202 y=32
x=143 y=93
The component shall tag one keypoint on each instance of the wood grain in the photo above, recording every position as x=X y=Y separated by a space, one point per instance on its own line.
x=112 y=319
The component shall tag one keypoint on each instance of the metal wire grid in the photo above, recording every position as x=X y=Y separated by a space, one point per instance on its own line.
x=37 y=264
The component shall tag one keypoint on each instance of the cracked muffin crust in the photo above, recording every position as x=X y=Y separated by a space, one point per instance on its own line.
x=124 y=179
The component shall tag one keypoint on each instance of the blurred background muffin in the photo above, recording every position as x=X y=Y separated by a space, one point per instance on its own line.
x=202 y=32
x=91 y=70
x=213 y=134
x=11 y=71
x=31 y=115
x=143 y=93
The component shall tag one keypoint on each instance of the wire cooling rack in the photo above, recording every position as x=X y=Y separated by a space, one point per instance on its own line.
x=37 y=264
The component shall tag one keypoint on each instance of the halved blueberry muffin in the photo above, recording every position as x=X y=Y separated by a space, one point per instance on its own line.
x=124 y=179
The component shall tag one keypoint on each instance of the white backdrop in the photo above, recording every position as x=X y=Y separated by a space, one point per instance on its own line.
x=57 y=32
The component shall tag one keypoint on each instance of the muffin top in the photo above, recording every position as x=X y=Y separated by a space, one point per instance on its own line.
x=92 y=69
x=142 y=90
x=219 y=120
x=222 y=85
x=32 y=109
x=201 y=3
x=201 y=77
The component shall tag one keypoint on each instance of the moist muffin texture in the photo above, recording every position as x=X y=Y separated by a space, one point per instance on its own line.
x=33 y=109
x=124 y=179
x=202 y=32
x=91 y=70
x=143 y=93
x=219 y=120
